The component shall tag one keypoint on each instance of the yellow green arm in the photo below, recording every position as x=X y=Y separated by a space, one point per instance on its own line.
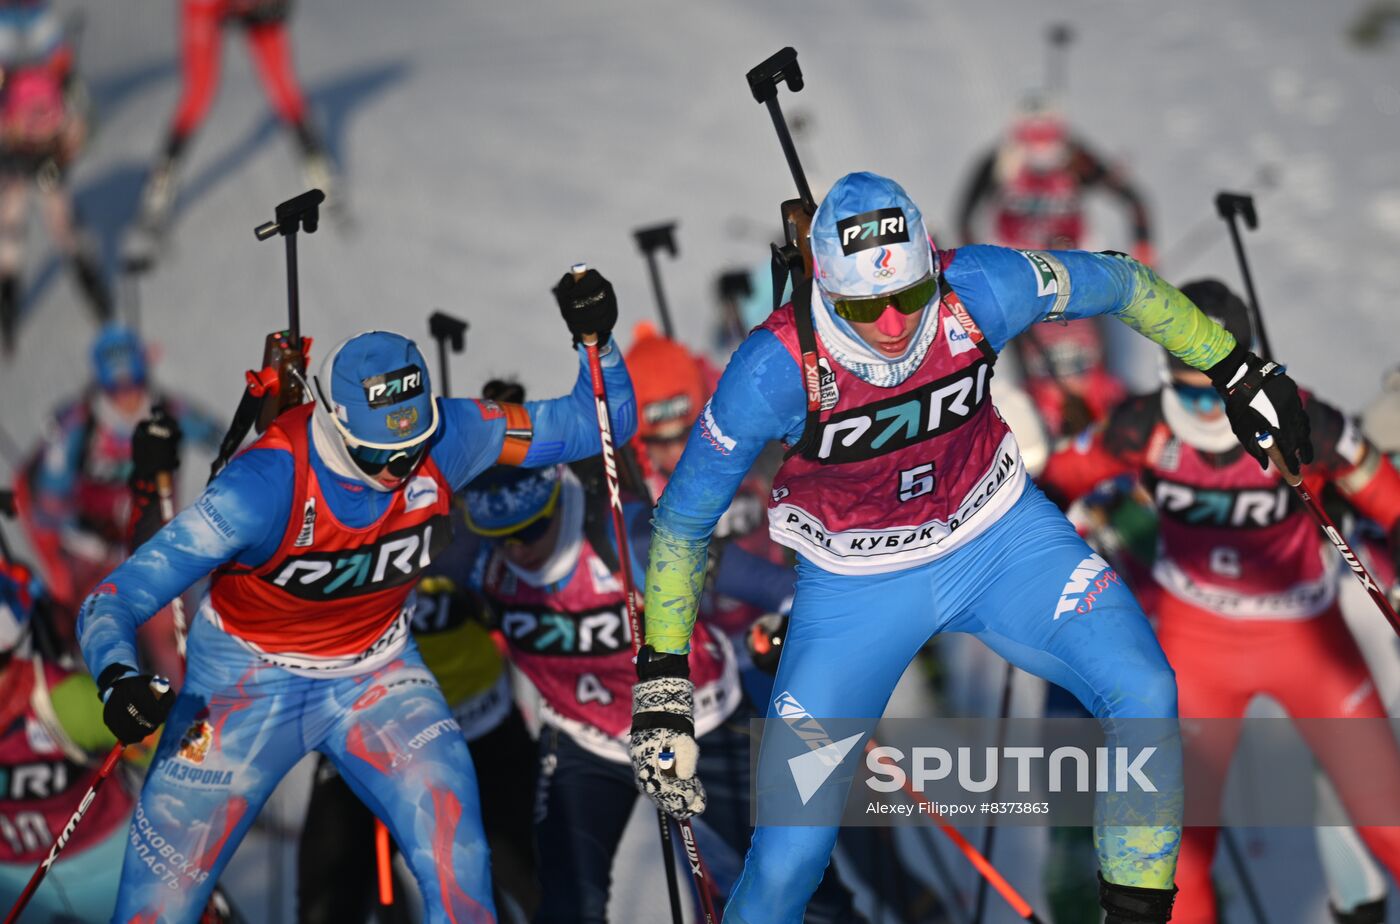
x=1159 y=312
x=675 y=579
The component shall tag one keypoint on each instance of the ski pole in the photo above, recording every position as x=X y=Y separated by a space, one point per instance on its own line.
x=165 y=493
x=1329 y=528
x=1229 y=205
x=650 y=240
x=979 y=862
x=103 y=772
x=448 y=332
x=383 y=863
x=159 y=687
x=990 y=841
x=692 y=850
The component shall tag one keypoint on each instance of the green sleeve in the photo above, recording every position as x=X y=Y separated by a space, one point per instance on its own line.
x=79 y=711
x=675 y=578
x=1159 y=312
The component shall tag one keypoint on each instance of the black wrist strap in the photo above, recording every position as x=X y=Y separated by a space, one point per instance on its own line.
x=1136 y=904
x=653 y=664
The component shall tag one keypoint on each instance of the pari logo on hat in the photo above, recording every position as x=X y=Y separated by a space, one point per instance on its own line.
x=868 y=238
x=393 y=387
x=377 y=389
x=872 y=229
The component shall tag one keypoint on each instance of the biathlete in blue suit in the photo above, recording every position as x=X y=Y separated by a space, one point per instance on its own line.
x=316 y=536
x=911 y=513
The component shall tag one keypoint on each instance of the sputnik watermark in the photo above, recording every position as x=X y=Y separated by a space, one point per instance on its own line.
x=1124 y=773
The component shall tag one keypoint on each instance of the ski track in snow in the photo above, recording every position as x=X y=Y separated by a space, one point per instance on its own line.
x=486 y=147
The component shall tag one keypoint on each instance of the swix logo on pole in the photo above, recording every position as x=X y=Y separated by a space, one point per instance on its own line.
x=395 y=559
x=69 y=828
x=609 y=459
x=1351 y=559
x=692 y=854
x=393 y=387
x=872 y=229
x=912 y=417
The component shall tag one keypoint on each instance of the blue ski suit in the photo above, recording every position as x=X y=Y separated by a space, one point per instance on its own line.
x=245 y=716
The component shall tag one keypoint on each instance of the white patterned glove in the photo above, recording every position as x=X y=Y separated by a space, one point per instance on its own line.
x=664 y=752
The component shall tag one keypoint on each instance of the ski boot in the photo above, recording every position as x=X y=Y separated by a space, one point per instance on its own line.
x=1369 y=913
x=318 y=171
x=1135 y=905
x=9 y=313
x=157 y=198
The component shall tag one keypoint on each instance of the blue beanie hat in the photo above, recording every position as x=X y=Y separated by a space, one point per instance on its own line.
x=118 y=358
x=376 y=387
x=868 y=238
x=505 y=498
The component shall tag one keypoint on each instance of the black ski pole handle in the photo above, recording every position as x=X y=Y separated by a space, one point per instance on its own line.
x=650 y=240
x=764 y=79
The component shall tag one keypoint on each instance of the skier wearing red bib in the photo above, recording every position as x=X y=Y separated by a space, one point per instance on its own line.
x=1249 y=586
x=316 y=536
x=911 y=513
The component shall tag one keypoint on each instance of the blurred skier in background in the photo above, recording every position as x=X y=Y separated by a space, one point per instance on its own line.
x=73 y=494
x=1032 y=188
x=52 y=742
x=1248 y=587
x=202 y=24
x=43 y=125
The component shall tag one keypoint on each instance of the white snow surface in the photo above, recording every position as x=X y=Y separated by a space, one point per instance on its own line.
x=487 y=146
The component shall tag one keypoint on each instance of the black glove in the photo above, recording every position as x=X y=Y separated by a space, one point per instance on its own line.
x=155 y=446
x=588 y=305
x=1261 y=398
x=136 y=703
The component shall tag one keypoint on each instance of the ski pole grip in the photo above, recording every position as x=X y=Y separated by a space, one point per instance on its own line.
x=578 y=270
x=1270 y=446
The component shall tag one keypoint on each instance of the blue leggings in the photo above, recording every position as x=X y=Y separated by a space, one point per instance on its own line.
x=240 y=724
x=851 y=637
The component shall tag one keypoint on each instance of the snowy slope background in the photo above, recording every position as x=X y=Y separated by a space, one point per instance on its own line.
x=488 y=146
